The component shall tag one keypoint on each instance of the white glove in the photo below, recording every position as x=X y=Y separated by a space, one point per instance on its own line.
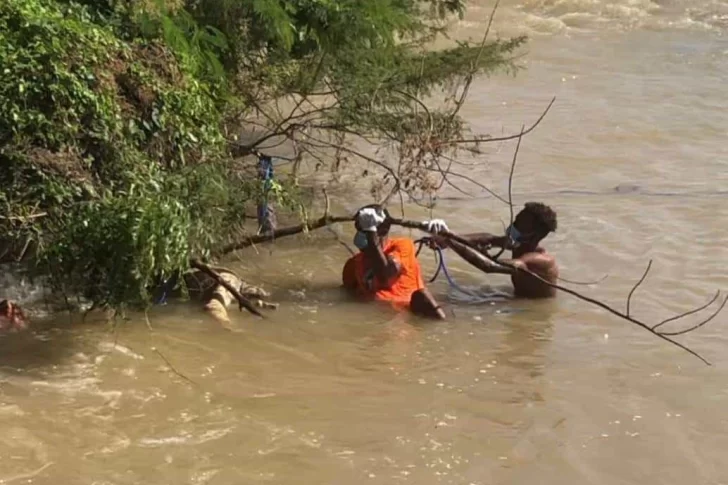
x=369 y=218
x=436 y=226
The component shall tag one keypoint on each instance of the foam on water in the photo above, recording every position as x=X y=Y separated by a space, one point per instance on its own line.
x=567 y=16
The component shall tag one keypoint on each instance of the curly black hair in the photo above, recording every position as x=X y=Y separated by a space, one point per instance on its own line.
x=544 y=216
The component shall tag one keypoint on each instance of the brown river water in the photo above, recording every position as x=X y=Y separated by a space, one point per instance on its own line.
x=632 y=156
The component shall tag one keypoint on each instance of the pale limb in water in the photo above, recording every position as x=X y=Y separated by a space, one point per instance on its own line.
x=242 y=300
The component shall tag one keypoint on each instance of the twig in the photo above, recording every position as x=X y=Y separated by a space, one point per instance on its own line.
x=430 y=123
x=474 y=66
x=338 y=239
x=172 y=368
x=510 y=190
x=503 y=138
x=513 y=171
x=584 y=283
x=358 y=154
x=471 y=180
x=243 y=302
x=634 y=288
x=688 y=313
x=694 y=327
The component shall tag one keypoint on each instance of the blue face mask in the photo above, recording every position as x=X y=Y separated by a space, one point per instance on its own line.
x=360 y=240
x=514 y=235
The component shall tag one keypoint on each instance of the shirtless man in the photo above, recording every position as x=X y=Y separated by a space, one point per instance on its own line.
x=530 y=227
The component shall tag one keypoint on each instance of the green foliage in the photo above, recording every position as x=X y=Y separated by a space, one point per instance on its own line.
x=144 y=231
x=102 y=135
x=113 y=113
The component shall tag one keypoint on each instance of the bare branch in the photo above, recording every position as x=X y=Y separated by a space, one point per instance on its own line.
x=584 y=283
x=172 y=368
x=278 y=233
x=474 y=66
x=695 y=327
x=688 y=313
x=371 y=160
x=504 y=138
x=634 y=288
x=502 y=264
x=472 y=181
x=510 y=190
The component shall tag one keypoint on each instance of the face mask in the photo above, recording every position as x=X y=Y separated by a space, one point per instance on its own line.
x=514 y=235
x=360 y=240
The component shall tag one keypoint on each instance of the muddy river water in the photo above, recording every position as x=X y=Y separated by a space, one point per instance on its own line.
x=633 y=156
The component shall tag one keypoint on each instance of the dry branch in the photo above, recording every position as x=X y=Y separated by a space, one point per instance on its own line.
x=282 y=232
x=489 y=139
x=474 y=67
x=652 y=329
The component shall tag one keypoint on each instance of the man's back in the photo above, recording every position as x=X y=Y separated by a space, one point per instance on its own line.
x=540 y=263
x=358 y=274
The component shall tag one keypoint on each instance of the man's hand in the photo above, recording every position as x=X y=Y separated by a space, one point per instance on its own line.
x=437 y=242
x=369 y=218
x=436 y=226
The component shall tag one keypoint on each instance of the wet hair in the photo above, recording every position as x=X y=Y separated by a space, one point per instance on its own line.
x=544 y=216
x=383 y=228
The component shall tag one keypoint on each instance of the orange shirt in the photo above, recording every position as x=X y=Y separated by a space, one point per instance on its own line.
x=357 y=273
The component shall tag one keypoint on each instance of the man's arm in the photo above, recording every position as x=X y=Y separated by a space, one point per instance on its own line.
x=385 y=269
x=485 y=239
x=478 y=260
x=481 y=240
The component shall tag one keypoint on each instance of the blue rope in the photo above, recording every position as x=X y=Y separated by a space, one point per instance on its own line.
x=442 y=267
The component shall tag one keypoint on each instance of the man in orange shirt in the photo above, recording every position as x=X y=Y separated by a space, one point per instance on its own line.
x=386 y=269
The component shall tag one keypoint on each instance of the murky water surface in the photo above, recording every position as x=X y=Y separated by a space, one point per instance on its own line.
x=634 y=159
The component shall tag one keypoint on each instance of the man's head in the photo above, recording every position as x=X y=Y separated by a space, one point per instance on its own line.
x=535 y=222
x=383 y=228
x=361 y=239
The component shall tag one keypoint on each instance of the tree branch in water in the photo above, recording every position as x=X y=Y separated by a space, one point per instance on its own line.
x=652 y=329
x=282 y=232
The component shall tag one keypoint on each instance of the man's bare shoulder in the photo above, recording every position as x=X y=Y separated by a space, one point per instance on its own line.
x=539 y=259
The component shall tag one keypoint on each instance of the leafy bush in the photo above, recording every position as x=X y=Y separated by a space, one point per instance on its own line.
x=114 y=165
